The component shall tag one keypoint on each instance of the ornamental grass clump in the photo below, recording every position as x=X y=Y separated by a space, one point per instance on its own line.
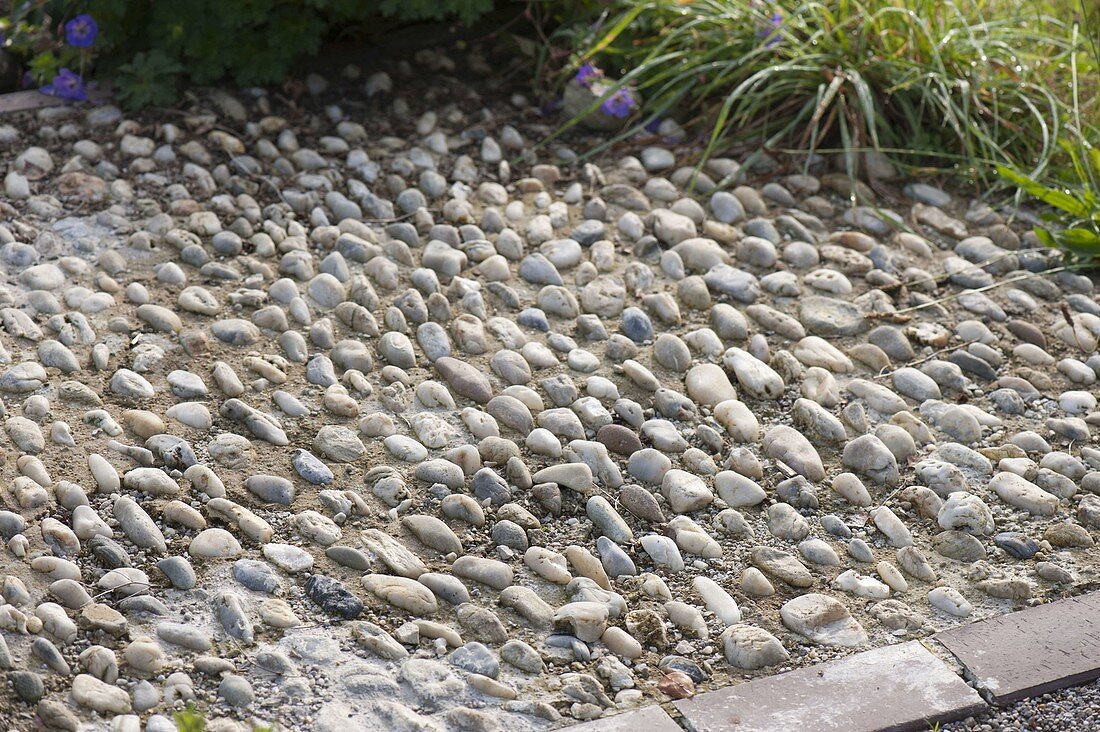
x=929 y=82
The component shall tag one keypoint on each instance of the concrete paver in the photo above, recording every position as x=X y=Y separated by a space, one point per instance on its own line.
x=1032 y=651
x=646 y=719
x=901 y=687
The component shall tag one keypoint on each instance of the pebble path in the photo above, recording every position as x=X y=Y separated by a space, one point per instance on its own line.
x=367 y=413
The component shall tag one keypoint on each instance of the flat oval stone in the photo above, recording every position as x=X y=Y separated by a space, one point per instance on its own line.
x=464 y=379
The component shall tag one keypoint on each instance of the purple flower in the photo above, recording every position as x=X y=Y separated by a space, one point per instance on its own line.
x=81 y=31
x=619 y=104
x=771 y=28
x=653 y=126
x=587 y=73
x=66 y=85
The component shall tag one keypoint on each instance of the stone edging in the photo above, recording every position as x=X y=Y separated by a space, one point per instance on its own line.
x=23 y=101
x=900 y=687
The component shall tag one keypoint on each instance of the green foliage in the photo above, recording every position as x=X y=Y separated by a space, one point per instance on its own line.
x=44 y=66
x=190 y=720
x=1072 y=190
x=150 y=48
x=248 y=42
x=465 y=10
x=149 y=79
x=932 y=82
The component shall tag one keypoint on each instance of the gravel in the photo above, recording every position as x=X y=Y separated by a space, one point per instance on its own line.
x=1074 y=709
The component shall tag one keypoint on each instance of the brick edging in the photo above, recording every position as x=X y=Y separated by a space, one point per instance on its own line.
x=1060 y=642
x=898 y=687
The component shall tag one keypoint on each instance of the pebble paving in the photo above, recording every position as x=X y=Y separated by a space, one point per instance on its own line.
x=361 y=410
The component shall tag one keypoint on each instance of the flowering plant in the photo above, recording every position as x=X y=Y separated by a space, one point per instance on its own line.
x=55 y=42
x=620 y=103
x=81 y=31
x=66 y=85
x=769 y=29
x=150 y=49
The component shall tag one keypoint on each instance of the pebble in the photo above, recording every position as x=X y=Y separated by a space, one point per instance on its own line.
x=867 y=455
x=1019 y=492
x=235 y=691
x=214 y=543
x=90 y=692
x=795 y=451
x=782 y=566
x=950 y=601
x=311 y=468
x=333 y=597
x=823 y=619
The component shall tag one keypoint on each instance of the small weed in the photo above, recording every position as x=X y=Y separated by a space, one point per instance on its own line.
x=190 y=720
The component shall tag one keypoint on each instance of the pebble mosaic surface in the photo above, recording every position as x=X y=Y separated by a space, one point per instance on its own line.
x=362 y=411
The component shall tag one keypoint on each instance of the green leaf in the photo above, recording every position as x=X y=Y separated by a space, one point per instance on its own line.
x=150 y=79
x=1050 y=196
x=1082 y=241
x=1012 y=176
x=615 y=30
x=44 y=67
x=1045 y=238
x=190 y=720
